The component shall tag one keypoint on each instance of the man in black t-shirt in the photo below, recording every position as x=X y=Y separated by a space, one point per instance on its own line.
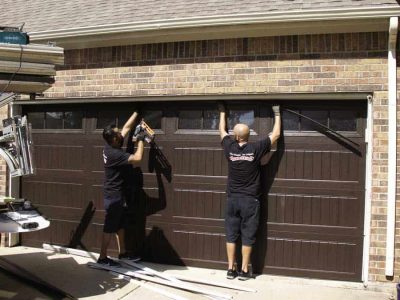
x=244 y=188
x=115 y=160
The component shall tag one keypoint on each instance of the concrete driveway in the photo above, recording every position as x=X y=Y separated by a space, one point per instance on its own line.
x=71 y=274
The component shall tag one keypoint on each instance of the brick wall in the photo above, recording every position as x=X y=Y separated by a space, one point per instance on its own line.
x=310 y=63
x=313 y=63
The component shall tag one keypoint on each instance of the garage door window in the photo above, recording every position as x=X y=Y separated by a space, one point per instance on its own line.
x=209 y=119
x=241 y=116
x=343 y=120
x=57 y=120
x=191 y=119
x=104 y=118
x=321 y=116
x=153 y=118
x=338 y=120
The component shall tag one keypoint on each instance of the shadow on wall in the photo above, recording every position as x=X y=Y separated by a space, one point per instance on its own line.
x=154 y=245
x=270 y=166
x=76 y=239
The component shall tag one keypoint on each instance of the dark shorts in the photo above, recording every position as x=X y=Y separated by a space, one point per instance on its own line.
x=241 y=219
x=115 y=213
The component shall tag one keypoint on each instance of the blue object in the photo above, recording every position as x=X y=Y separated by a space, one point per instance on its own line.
x=13 y=37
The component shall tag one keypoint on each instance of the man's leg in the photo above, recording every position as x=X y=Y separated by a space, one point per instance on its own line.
x=232 y=228
x=121 y=241
x=111 y=223
x=105 y=242
x=231 y=251
x=246 y=253
x=250 y=212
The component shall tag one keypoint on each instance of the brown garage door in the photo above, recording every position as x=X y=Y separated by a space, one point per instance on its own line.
x=313 y=204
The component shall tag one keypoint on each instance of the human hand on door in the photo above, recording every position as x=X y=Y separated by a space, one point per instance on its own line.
x=276 y=109
x=221 y=106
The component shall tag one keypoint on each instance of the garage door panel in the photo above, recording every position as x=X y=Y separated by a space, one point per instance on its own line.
x=339 y=231
x=59 y=138
x=200 y=182
x=316 y=186
x=312 y=255
x=200 y=245
x=317 y=165
x=53 y=175
x=312 y=210
x=58 y=194
x=206 y=161
x=70 y=214
x=60 y=157
x=96 y=163
x=199 y=204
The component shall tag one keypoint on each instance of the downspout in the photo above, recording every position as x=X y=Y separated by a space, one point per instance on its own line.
x=368 y=192
x=392 y=144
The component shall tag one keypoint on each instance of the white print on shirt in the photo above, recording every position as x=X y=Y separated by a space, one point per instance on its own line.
x=243 y=156
x=104 y=157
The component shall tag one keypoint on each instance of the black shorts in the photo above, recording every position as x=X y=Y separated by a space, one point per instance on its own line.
x=114 y=220
x=241 y=219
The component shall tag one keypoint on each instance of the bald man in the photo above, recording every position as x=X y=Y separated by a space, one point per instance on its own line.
x=244 y=188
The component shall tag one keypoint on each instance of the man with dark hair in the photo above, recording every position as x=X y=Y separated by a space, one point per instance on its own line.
x=115 y=159
x=244 y=188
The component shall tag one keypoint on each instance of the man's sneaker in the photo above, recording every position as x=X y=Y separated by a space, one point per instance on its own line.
x=245 y=275
x=108 y=262
x=231 y=274
x=129 y=257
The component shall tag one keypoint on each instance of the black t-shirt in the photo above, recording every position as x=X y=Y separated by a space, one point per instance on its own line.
x=115 y=160
x=244 y=166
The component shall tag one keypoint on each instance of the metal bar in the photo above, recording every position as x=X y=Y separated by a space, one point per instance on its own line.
x=322 y=125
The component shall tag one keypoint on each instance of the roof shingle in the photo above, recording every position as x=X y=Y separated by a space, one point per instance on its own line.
x=44 y=15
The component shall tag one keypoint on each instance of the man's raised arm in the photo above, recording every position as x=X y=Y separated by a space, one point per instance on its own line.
x=276 y=131
x=222 y=120
x=129 y=124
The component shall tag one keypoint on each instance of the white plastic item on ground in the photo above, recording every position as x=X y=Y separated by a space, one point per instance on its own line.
x=177 y=285
x=146 y=270
x=150 y=287
x=178 y=278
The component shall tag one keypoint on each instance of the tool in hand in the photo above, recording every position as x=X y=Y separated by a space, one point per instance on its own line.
x=144 y=129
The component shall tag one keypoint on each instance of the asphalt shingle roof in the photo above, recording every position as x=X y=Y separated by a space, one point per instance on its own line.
x=43 y=15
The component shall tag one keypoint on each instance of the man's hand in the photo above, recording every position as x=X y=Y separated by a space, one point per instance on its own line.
x=221 y=106
x=140 y=137
x=276 y=109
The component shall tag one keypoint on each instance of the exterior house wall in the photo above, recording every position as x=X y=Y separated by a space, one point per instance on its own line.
x=289 y=64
